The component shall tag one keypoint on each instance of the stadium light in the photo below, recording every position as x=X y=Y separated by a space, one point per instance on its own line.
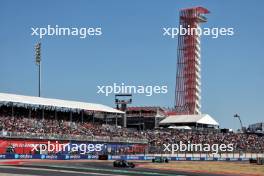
x=237 y=116
x=38 y=63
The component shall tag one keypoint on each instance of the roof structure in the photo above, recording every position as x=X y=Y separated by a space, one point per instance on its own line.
x=180 y=127
x=144 y=108
x=180 y=119
x=40 y=101
x=198 y=9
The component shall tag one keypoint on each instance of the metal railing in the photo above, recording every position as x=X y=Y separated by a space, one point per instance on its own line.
x=52 y=136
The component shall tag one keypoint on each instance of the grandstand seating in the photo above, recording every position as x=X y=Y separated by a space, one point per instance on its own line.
x=27 y=127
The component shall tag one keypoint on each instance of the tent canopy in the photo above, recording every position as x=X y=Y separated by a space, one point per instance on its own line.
x=180 y=127
x=180 y=119
x=31 y=100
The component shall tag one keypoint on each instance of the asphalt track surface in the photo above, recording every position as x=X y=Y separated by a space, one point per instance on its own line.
x=78 y=168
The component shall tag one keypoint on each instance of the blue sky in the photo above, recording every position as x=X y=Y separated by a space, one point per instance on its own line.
x=133 y=50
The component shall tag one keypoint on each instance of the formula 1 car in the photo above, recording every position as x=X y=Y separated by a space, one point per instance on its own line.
x=160 y=159
x=123 y=163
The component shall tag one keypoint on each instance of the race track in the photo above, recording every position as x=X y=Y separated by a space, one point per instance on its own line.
x=77 y=167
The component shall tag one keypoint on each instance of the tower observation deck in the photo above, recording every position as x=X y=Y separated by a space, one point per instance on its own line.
x=188 y=76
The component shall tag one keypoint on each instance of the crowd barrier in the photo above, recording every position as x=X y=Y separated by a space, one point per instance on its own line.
x=37 y=136
x=112 y=157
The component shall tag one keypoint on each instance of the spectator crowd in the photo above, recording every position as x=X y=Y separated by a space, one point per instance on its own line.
x=155 y=138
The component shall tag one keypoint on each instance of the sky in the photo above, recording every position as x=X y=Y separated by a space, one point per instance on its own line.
x=133 y=50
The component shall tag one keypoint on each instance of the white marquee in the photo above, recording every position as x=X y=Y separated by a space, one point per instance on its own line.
x=201 y=119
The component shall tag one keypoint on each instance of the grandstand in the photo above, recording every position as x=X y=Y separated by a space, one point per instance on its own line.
x=47 y=108
x=46 y=103
x=146 y=117
x=26 y=120
x=256 y=128
x=35 y=117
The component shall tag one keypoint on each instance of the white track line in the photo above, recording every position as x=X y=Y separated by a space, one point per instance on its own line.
x=60 y=171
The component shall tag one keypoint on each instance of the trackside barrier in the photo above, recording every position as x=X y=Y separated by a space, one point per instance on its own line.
x=37 y=136
x=112 y=157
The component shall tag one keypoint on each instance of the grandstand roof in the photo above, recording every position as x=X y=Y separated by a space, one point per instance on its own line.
x=31 y=100
x=144 y=108
x=201 y=119
x=180 y=127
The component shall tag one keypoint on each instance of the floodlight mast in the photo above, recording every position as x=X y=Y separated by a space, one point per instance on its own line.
x=38 y=63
